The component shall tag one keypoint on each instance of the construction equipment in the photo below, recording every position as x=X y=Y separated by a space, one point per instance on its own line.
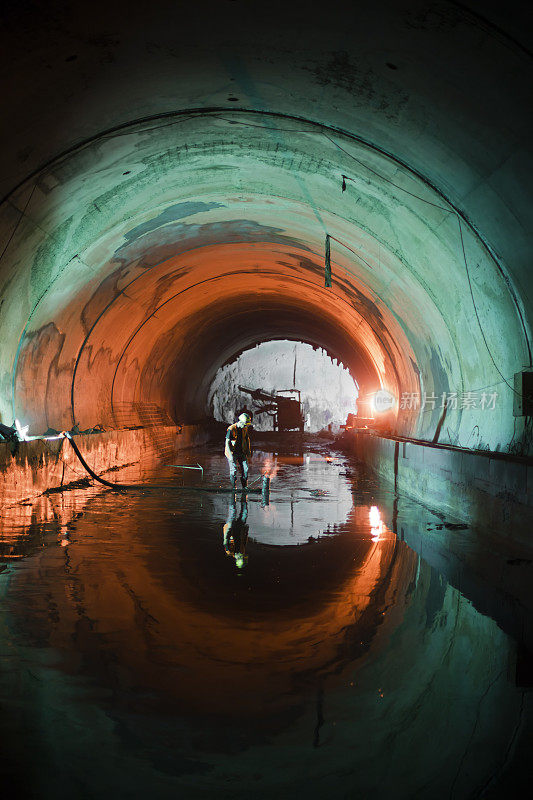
x=284 y=406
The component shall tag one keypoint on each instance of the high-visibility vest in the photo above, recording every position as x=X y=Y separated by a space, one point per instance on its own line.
x=233 y=430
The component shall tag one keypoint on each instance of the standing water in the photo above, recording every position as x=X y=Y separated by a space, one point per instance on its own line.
x=172 y=642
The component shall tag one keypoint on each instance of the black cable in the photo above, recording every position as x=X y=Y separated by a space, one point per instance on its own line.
x=477 y=315
x=123 y=486
x=383 y=178
x=92 y=473
x=267 y=127
x=450 y=211
x=79 y=475
x=21 y=217
x=358 y=255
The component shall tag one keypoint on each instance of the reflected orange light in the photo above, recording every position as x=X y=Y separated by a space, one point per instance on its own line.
x=376 y=523
x=270 y=468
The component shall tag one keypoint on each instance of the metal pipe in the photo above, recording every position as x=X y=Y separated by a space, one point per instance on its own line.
x=185 y=466
x=265 y=489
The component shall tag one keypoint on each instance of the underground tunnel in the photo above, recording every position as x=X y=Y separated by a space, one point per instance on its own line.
x=321 y=222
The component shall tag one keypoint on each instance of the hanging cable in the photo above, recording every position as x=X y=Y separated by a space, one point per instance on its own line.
x=359 y=256
x=477 y=314
x=21 y=217
x=92 y=473
x=458 y=217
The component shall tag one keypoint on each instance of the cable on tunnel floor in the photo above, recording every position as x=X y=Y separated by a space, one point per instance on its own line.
x=125 y=486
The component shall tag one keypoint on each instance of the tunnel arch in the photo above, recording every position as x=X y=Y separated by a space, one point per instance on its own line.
x=274 y=320
x=153 y=188
x=144 y=243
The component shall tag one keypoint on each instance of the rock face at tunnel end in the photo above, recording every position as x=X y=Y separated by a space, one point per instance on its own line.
x=327 y=390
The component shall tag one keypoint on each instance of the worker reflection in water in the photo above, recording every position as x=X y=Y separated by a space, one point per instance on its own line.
x=236 y=532
x=238 y=449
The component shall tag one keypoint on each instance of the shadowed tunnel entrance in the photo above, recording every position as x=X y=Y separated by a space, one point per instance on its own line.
x=179 y=188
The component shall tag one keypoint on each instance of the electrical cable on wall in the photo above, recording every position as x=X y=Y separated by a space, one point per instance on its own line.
x=21 y=217
x=457 y=216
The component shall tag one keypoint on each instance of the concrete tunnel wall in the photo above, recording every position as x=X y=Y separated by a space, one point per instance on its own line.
x=154 y=226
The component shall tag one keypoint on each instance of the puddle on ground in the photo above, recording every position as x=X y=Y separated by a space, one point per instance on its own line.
x=169 y=641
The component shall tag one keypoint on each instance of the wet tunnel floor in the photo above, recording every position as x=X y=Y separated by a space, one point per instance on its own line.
x=336 y=641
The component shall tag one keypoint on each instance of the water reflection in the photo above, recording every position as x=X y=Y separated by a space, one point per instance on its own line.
x=235 y=531
x=139 y=658
x=376 y=523
x=24 y=527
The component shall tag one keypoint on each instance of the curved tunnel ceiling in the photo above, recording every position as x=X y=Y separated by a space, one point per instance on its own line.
x=144 y=255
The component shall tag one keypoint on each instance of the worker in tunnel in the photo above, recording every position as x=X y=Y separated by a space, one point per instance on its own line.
x=235 y=532
x=238 y=448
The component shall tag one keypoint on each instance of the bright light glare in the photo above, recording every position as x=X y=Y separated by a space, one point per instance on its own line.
x=383 y=401
x=376 y=524
x=22 y=431
x=270 y=467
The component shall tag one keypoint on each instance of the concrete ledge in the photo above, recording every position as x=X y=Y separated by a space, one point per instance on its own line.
x=485 y=490
x=27 y=469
